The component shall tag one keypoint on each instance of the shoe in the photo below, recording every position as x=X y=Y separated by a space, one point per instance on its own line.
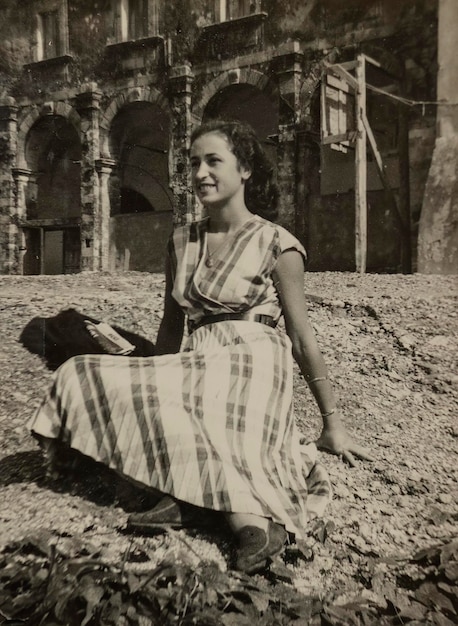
x=257 y=547
x=166 y=514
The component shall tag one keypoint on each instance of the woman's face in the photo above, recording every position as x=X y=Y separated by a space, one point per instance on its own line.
x=217 y=177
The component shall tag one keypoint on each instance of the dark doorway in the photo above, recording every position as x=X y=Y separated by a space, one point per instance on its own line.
x=52 y=251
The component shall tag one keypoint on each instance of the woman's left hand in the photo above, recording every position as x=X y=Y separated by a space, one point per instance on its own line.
x=336 y=440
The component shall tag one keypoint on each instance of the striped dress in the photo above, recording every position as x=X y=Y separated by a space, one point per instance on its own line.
x=212 y=425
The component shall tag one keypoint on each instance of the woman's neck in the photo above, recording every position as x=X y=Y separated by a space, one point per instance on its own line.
x=227 y=220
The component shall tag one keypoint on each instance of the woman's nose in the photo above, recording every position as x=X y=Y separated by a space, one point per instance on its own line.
x=202 y=170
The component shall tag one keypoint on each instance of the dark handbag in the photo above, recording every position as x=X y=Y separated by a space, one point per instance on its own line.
x=66 y=334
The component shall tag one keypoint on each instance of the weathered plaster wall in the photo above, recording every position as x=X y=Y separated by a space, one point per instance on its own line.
x=138 y=242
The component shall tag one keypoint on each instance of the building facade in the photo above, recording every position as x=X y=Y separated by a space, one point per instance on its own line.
x=98 y=99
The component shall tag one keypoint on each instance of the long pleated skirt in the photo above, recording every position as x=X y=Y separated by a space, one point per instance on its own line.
x=212 y=425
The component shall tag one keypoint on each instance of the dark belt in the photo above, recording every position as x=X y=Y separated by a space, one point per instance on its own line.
x=224 y=317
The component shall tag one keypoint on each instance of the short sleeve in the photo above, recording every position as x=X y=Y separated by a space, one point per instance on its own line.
x=288 y=241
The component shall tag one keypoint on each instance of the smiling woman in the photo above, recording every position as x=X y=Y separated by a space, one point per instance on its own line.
x=213 y=426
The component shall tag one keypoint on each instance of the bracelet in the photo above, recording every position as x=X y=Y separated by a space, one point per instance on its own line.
x=315 y=380
x=329 y=413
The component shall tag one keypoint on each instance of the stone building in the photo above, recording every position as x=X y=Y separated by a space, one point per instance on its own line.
x=98 y=99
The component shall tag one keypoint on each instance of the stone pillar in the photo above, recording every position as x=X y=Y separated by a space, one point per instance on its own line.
x=88 y=107
x=180 y=81
x=101 y=231
x=22 y=180
x=307 y=184
x=438 y=229
x=8 y=224
x=287 y=65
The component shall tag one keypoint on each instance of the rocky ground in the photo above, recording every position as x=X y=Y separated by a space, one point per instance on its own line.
x=390 y=342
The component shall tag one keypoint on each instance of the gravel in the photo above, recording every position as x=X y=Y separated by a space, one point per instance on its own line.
x=390 y=342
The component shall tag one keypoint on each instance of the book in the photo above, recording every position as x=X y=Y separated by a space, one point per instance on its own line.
x=109 y=339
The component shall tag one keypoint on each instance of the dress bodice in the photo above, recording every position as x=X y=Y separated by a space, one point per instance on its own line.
x=240 y=278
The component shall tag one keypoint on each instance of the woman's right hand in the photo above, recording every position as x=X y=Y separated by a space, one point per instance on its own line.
x=335 y=439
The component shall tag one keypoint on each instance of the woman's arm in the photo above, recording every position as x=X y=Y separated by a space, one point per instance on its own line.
x=289 y=280
x=170 y=333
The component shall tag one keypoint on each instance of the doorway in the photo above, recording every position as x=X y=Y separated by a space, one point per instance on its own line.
x=52 y=251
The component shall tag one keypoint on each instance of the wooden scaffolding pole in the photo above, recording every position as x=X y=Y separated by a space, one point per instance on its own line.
x=361 y=168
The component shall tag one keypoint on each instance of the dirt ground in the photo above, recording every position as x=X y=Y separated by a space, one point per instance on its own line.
x=390 y=342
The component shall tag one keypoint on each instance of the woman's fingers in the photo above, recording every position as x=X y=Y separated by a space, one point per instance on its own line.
x=360 y=452
x=348 y=453
x=348 y=456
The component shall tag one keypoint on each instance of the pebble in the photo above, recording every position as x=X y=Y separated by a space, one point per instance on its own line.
x=362 y=494
x=407 y=341
x=341 y=491
x=440 y=341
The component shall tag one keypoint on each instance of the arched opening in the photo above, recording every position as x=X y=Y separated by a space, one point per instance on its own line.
x=52 y=197
x=249 y=104
x=141 y=201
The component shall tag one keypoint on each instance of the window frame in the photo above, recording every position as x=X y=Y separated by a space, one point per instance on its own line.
x=58 y=11
x=127 y=20
x=225 y=11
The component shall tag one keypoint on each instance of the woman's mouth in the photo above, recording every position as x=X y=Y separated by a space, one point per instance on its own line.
x=204 y=187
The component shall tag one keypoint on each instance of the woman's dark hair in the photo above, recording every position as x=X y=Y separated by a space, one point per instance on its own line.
x=261 y=192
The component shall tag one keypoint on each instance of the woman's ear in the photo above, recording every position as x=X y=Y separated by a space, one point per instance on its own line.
x=245 y=174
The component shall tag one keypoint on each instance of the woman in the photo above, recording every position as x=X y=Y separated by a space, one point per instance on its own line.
x=213 y=426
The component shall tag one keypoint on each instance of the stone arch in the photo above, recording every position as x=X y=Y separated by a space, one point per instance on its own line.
x=61 y=109
x=126 y=96
x=135 y=138
x=226 y=79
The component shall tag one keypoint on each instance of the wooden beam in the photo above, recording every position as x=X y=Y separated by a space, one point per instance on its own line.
x=373 y=143
x=342 y=73
x=324 y=116
x=381 y=171
x=361 y=170
x=348 y=136
x=371 y=60
x=349 y=65
x=42 y=251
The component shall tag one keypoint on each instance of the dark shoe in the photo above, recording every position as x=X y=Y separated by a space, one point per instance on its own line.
x=256 y=547
x=166 y=514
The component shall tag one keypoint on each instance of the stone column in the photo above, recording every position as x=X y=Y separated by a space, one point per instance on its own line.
x=180 y=82
x=307 y=183
x=438 y=229
x=101 y=238
x=287 y=65
x=22 y=180
x=8 y=223
x=88 y=107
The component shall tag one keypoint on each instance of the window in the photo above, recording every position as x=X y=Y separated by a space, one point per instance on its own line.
x=233 y=9
x=48 y=35
x=136 y=19
x=51 y=31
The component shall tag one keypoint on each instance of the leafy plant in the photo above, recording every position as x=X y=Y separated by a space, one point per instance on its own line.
x=44 y=583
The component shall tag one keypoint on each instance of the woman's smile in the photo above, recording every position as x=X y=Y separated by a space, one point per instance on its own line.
x=205 y=187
